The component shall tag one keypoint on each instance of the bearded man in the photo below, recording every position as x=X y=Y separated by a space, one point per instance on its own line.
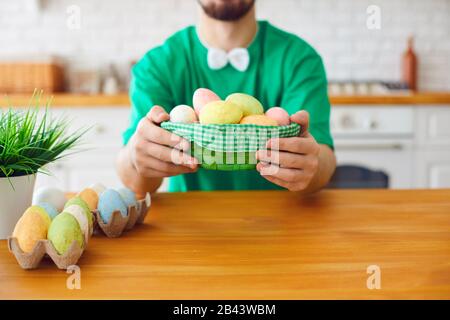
x=276 y=67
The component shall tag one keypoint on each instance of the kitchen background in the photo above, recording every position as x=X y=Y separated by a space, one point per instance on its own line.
x=114 y=31
x=96 y=41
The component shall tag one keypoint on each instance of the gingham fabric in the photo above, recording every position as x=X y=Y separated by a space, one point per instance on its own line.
x=230 y=137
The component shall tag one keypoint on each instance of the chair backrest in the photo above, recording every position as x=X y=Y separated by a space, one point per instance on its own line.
x=350 y=176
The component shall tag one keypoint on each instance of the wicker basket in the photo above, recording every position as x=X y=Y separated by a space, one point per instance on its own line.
x=25 y=77
x=229 y=146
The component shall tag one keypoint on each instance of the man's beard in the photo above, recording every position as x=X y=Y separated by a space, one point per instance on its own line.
x=231 y=10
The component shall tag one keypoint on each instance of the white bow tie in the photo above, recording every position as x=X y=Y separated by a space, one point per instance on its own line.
x=238 y=58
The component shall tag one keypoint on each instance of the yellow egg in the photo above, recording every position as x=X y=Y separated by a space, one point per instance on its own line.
x=260 y=120
x=44 y=214
x=90 y=197
x=220 y=112
x=248 y=104
x=31 y=227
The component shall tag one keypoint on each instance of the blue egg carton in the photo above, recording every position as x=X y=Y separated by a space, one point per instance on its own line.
x=117 y=223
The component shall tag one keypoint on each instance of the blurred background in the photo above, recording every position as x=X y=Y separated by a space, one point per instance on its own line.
x=388 y=64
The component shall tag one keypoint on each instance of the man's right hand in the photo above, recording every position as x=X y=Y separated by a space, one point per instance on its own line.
x=157 y=153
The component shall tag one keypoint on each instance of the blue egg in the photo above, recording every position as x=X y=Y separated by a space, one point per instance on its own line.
x=51 y=210
x=128 y=196
x=110 y=201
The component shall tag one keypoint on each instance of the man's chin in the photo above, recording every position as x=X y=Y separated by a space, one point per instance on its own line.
x=226 y=10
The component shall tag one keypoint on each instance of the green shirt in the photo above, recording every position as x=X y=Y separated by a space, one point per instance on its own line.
x=284 y=71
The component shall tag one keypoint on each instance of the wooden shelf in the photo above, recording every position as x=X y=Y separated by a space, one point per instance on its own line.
x=78 y=100
x=67 y=100
x=422 y=98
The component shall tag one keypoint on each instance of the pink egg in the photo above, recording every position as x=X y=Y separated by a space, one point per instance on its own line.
x=279 y=115
x=203 y=96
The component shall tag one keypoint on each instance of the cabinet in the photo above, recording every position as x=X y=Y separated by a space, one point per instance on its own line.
x=410 y=143
x=433 y=169
x=378 y=138
x=432 y=154
x=94 y=158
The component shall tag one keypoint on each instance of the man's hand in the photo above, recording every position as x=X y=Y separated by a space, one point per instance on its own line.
x=157 y=153
x=293 y=163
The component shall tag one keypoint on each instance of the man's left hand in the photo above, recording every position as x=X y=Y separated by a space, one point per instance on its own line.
x=293 y=162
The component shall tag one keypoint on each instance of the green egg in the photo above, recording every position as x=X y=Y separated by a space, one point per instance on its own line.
x=63 y=230
x=80 y=202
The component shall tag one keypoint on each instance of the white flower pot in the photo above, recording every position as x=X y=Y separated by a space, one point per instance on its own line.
x=14 y=201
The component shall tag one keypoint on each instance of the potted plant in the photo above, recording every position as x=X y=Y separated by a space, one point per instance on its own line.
x=29 y=140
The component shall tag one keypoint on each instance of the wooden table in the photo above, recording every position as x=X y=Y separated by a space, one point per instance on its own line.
x=262 y=245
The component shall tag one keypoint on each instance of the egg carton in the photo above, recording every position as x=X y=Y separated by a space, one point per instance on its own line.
x=42 y=249
x=117 y=224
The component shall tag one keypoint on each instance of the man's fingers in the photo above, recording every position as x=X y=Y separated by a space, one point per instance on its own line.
x=293 y=144
x=160 y=136
x=283 y=159
x=285 y=174
x=167 y=154
x=157 y=114
x=262 y=168
x=157 y=151
x=154 y=133
x=292 y=179
x=302 y=118
x=169 y=169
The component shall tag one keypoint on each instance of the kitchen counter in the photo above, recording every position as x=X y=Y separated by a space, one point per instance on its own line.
x=423 y=98
x=262 y=245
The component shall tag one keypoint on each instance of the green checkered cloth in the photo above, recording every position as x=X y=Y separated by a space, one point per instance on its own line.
x=228 y=146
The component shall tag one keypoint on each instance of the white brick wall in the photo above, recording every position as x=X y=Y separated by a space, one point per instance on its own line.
x=119 y=31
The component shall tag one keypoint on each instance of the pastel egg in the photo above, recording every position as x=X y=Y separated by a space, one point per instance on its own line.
x=220 y=112
x=260 y=120
x=202 y=97
x=98 y=188
x=80 y=202
x=183 y=114
x=279 y=115
x=51 y=210
x=78 y=213
x=63 y=231
x=90 y=197
x=43 y=213
x=128 y=196
x=53 y=196
x=248 y=104
x=30 y=228
x=110 y=201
